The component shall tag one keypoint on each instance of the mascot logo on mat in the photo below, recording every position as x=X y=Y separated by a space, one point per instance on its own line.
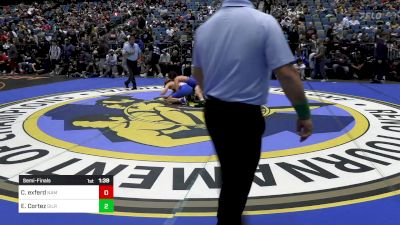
x=154 y=122
x=149 y=122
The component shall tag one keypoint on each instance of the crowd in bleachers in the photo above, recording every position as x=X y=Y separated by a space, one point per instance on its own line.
x=356 y=39
x=85 y=38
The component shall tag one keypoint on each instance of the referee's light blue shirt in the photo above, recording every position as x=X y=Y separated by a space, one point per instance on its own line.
x=132 y=48
x=237 y=50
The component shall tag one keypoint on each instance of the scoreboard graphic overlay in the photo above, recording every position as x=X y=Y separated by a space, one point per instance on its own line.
x=162 y=167
x=65 y=194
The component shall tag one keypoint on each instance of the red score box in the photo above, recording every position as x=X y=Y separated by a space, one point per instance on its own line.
x=106 y=192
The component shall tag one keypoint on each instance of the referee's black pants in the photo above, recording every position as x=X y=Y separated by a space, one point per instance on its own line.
x=132 y=68
x=236 y=130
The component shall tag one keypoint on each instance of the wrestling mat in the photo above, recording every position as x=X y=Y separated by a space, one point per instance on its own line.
x=164 y=166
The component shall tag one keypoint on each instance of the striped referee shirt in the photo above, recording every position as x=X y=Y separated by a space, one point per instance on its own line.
x=156 y=50
x=55 y=52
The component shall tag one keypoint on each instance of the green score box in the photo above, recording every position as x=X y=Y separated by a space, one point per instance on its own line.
x=106 y=205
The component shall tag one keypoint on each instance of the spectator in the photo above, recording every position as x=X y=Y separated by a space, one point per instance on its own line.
x=170 y=32
x=122 y=66
x=141 y=22
x=354 y=21
x=102 y=51
x=300 y=67
x=286 y=23
x=155 y=59
x=85 y=62
x=165 y=62
x=394 y=71
x=176 y=62
x=340 y=63
x=145 y=64
x=13 y=58
x=357 y=65
x=111 y=63
x=4 y=62
x=293 y=37
x=313 y=48
x=381 y=67
x=320 y=61
x=346 y=21
x=55 y=55
x=27 y=65
x=68 y=53
x=302 y=56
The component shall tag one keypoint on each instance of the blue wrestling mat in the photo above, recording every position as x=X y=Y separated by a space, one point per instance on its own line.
x=164 y=166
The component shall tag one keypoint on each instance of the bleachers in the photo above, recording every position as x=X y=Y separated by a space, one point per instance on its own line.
x=192 y=5
x=368 y=18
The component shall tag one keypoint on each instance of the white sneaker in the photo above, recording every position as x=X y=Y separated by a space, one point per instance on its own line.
x=309 y=78
x=143 y=75
x=324 y=80
x=160 y=75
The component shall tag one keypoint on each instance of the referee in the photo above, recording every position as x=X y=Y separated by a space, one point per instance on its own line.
x=235 y=52
x=132 y=53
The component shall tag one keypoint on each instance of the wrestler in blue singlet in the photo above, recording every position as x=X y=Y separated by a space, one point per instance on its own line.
x=184 y=90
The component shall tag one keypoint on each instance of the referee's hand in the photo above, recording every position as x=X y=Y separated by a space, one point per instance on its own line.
x=304 y=129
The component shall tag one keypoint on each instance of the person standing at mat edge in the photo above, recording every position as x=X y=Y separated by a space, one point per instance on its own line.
x=132 y=53
x=234 y=53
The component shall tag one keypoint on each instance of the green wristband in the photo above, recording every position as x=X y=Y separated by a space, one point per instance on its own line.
x=303 y=111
